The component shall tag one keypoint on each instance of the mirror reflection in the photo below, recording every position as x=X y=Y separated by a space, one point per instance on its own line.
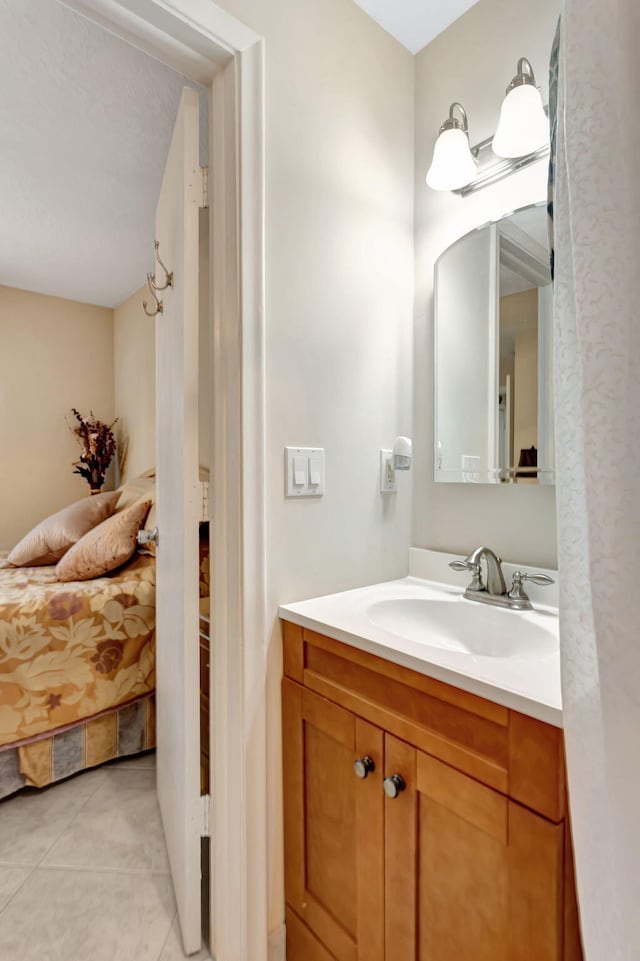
x=493 y=355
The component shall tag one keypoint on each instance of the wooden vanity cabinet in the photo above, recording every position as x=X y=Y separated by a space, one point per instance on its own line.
x=469 y=861
x=334 y=827
x=485 y=878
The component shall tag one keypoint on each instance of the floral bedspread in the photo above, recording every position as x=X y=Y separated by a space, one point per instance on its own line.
x=69 y=651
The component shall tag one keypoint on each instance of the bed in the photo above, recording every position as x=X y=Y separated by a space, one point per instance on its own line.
x=77 y=669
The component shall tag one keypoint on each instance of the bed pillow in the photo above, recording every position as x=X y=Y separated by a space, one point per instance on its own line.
x=141 y=488
x=107 y=546
x=52 y=537
x=133 y=490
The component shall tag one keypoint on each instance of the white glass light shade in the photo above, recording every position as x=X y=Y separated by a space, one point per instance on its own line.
x=453 y=165
x=523 y=126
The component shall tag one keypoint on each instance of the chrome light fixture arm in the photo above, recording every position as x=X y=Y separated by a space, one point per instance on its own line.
x=525 y=75
x=496 y=171
x=452 y=122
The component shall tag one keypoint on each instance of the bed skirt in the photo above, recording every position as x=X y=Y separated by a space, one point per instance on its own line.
x=129 y=729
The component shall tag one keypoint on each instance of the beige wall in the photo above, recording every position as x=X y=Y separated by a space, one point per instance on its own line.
x=472 y=61
x=519 y=316
x=339 y=294
x=134 y=380
x=54 y=355
x=525 y=413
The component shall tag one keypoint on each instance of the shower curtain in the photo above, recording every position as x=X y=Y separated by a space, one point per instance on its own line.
x=596 y=206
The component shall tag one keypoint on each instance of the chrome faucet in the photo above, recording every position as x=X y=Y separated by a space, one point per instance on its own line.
x=492 y=588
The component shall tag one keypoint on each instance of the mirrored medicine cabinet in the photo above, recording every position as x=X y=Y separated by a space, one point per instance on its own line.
x=493 y=314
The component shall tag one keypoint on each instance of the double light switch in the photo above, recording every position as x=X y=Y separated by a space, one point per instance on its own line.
x=304 y=468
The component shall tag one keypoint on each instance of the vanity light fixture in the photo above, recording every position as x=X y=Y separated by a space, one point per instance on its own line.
x=523 y=126
x=453 y=165
x=522 y=139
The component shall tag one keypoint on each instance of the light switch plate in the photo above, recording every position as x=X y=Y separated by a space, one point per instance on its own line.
x=388 y=478
x=308 y=461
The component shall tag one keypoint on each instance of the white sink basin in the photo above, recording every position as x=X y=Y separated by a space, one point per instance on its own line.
x=466 y=627
x=510 y=657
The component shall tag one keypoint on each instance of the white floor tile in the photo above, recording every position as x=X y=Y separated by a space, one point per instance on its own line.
x=31 y=822
x=140 y=762
x=173 y=948
x=10 y=880
x=61 y=915
x=118 y=829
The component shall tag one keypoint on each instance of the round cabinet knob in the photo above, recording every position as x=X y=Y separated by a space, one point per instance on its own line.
x=394 y=785
x=364 y=766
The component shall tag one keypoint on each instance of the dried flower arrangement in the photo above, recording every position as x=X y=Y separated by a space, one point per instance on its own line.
x=98 y=447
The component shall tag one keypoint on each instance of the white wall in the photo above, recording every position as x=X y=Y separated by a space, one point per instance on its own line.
x=54 y=355
x=339 y=147
x=339 y=289
x=135 y=386
x=473 y=61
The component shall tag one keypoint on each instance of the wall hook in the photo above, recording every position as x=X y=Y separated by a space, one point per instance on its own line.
x=152 y=291
x=168 y=275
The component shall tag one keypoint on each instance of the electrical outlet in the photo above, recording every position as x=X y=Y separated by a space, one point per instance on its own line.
x=388 y=479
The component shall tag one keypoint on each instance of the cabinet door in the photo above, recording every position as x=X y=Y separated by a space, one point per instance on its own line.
x=334 y=847
x=469 y=874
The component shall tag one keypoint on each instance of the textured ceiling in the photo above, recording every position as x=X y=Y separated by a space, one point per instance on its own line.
x=415 y=22
x=85 y=124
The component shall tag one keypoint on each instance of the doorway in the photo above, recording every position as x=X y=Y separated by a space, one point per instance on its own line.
x=211 y=48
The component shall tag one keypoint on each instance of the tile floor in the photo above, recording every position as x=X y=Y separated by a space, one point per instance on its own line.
x=84 y=873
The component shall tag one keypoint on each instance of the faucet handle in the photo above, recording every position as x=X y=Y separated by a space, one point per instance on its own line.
x=463 y=566
x=517 y=591
x=473 y=568
x=542 y=579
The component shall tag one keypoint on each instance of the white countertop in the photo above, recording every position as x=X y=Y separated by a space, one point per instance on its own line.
x=524 y=677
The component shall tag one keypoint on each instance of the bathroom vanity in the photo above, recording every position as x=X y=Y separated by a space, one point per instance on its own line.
x=423 y=821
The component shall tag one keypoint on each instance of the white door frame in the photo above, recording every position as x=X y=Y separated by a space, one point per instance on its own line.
x=209 y=45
